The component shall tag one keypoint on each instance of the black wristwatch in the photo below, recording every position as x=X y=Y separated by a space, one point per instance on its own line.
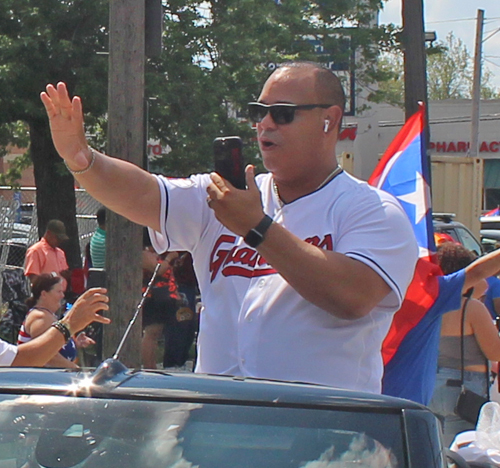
x=256 y=235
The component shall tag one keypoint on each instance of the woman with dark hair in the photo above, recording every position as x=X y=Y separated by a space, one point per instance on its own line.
x=481 y=343
x=47 y=295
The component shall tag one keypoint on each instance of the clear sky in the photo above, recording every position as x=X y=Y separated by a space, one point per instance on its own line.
x=458 y=16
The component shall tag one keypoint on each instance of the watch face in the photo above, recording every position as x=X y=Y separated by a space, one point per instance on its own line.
x=256 y=235
x=253 y=238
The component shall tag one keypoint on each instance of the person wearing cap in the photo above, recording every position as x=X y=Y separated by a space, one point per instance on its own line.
x=45 y=256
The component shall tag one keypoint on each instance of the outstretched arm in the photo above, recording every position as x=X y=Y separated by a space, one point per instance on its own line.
x=38 y=323
x=41 y=349
x=121 y=186
x=482 y=268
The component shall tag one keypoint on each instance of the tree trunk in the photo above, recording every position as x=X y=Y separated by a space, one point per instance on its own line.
x=55 y=190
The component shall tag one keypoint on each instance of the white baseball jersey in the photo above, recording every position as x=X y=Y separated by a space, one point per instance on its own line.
x=8 y=353
x=253 y=322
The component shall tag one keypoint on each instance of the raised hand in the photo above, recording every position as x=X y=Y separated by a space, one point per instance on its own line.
x=85 y=309
x=67 y=126
x=238 y=210
x=83 y=341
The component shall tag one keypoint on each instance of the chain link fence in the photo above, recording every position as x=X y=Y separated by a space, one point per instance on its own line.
x=18 y=231
x=18 y=222
x=86 y=209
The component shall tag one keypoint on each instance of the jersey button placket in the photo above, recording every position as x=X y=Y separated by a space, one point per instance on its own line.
x=248 y=326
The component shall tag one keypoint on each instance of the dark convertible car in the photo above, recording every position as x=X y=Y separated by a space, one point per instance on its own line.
x=120 y=418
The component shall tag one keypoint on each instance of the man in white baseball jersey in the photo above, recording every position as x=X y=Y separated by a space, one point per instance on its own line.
x=300 y=273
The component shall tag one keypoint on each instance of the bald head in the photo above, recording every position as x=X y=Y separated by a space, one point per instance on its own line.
x=327 y=86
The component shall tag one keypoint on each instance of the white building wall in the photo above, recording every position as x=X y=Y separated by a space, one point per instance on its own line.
x=450 y=129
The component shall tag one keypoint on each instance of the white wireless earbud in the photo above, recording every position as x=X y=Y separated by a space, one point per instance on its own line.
x=327 y=124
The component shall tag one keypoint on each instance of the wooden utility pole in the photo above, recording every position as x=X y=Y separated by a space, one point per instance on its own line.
x=125 y=140
x=476 y=86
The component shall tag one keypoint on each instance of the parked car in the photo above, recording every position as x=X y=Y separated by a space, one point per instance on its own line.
x=444 y=223
x=117 y=417
x=490 y=222
x=17 y=244
x=490 y=232
x=25 y=213
x=489 y=239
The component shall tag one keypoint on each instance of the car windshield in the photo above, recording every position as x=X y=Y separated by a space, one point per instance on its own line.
x=469 y=242
x=464 y=237
x=54 y=431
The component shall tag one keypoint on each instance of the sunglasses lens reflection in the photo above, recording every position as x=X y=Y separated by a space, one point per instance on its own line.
x=280 y=114
x=256 y=112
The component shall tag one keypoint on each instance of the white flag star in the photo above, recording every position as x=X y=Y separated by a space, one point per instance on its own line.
x=421 y=198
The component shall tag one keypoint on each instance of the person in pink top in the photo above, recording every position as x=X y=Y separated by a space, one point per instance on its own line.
x=45 y=256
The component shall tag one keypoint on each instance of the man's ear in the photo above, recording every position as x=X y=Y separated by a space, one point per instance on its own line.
x=334 y=118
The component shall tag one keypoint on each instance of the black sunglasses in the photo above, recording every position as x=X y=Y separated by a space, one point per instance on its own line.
x=281 y=114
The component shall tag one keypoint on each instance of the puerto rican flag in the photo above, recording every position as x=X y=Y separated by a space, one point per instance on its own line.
x=494 y=212
x=404 y=172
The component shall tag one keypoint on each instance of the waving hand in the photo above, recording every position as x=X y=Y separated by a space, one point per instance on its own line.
x=66 y=125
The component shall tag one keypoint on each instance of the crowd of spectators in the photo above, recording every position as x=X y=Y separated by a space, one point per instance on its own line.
x=46 y=296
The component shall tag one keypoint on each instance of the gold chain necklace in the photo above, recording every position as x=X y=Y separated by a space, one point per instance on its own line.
x=329 y=177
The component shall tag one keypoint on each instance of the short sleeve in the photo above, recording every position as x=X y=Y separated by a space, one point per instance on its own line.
x=64 y=262
x=32 y=263
x=184 y=213
x=450 y=292
x=8 y=353
x=378 y=233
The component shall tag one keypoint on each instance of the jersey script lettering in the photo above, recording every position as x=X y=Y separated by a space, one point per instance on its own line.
x=234 y=260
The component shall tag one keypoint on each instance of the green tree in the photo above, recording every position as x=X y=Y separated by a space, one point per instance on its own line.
x=45 y=41
x=15 y=134
x=215 y=59
x=449 y=74
x=217 y=55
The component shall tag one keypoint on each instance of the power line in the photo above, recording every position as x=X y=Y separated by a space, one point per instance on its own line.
x=493 y=63
x=457 y=20
x=450 y=21
x=443 y=120
x=491 y=35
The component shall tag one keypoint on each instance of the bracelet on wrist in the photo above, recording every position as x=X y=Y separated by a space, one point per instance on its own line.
x=83 y=171
x=256 y=235
x=63 y=328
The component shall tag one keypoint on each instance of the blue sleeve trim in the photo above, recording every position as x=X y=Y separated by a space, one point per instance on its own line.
x=378 y=267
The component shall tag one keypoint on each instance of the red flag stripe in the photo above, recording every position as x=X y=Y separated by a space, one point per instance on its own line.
x=413 y=126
